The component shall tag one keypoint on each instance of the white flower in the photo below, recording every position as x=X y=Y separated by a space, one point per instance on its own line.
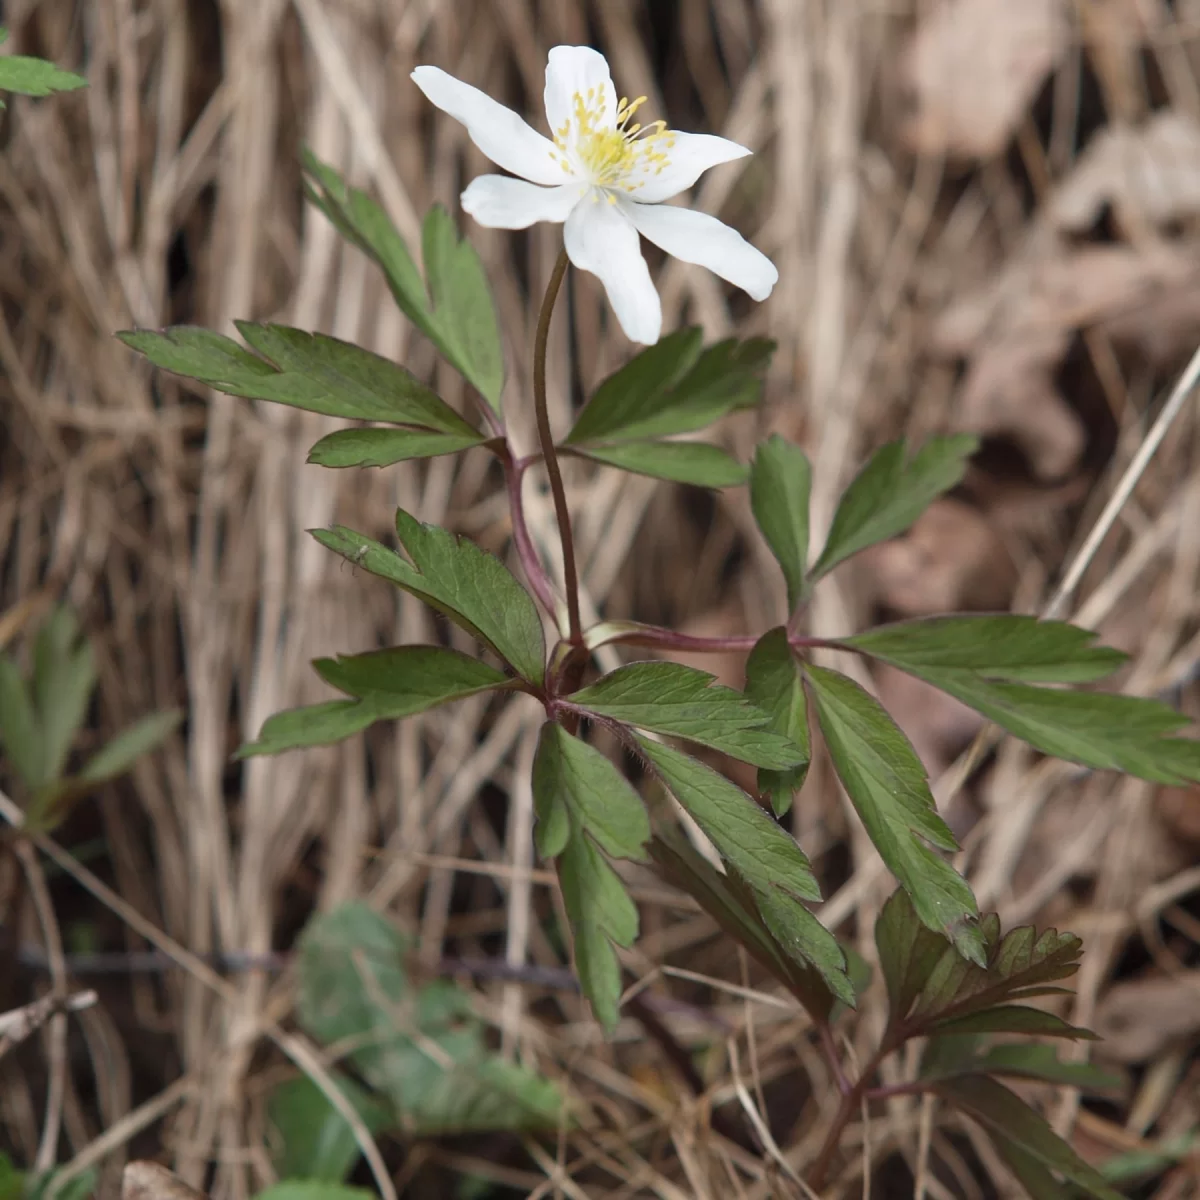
x=606 y=177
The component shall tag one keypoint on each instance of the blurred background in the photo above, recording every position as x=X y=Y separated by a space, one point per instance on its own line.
x=986 y=217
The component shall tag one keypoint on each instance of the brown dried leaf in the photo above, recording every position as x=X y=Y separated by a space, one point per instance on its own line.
x=972 y=69
x=1139 y=1018
x=937 y=725
x=143 y=1180
x=1149 y=174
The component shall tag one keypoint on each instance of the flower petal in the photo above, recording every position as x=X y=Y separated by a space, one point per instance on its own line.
x=572 y=70
x=503 y=203
x=690 y=155
x=506 y=139
x=600 y=239
x=695 y=237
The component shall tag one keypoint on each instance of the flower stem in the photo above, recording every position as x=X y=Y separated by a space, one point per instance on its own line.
x=539 y=581
x=570 y=575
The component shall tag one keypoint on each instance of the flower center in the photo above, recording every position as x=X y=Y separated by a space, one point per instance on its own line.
x=622 y=155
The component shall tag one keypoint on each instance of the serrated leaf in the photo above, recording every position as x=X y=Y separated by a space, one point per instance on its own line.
x=780 y=482
x=601 y=914
x=1036 y=1061
x=129 y=745
x=310 y=371
x=774 y=684
x=889 y=494
x=388 y=685
x=453 y=575
x=1005 y=647
x=461 y=321
x=20 y=729
x=567 y=772
x=463 y=311
x=29 y=76
x=696 y=463
x=64 y=677
x=674 y=387
x=888 y=786
x=762 y=853
x=313 y=1140
x=420 y=1047
x=672 y=699
x=908 y=952
x=383 y=447
x=1003 y=1114
x=1012 y=1018
x=735 y=910
x=1125 y=733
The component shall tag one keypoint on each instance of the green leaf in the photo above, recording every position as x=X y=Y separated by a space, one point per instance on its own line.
x=454 y=576
x=313 y=1189
x=129 y=745
x=382 y=447
x=20 y=728
x=389 y=684
x=35 y=77
x=780 y=482
x=601 y=914
x=64 y=677
x=908 y=953
x=461 y=322
x=674 y=387
x=696 y=463
x=1012 y=1018
x=422 y=1048
x=889 y=494
x=464 y=314
x=1124 y=733
x=1005 y=1116
x=404 y=680
x=1036 y=1061
x=774 y=684
x=762 y=853
x=888 y=786
x=1008 y=647
x=570 y=774
x=314 y=1142
x=673 y=699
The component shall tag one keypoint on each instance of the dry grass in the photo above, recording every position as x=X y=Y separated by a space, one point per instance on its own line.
x=173 y=521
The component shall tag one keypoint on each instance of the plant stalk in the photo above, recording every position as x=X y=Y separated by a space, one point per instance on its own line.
x=570 y=574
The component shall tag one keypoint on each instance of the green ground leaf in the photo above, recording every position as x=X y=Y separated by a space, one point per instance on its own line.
x=421 y=1048
x=889 y=494
x=680 y=701
x=129 y=745
x=602 y=915
x=1013 y=1018
x=1125 y=733
x=383 y=447
x=674 y=387
x=696 y=463
x=313 y=1189
x=312 y=725
x=888 y=786
x=780 y=483
x=1036 y=1061
x=774 y=684
x=453 y=575
x=314 y=1142
x=762 y=853
x=461 y=321
x=64 y=678
x=1005 y=647
x=1006 y=1117
x=569 y=773
x=20 y=728
x=34 y=76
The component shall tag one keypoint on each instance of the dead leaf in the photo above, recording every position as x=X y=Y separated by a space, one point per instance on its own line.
x=937 y=725
x=143 y=1180
x=1179 y=810
x=951 y=560
x=1139 y=1018
x=972 y=69
x=1149 y=175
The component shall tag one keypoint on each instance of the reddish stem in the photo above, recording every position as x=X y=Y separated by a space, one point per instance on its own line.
x=531 y=563
x=669 y=639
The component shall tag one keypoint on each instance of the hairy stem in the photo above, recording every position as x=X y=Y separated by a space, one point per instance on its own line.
x=669 y=639
x=531 y=564
x=570 y=575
